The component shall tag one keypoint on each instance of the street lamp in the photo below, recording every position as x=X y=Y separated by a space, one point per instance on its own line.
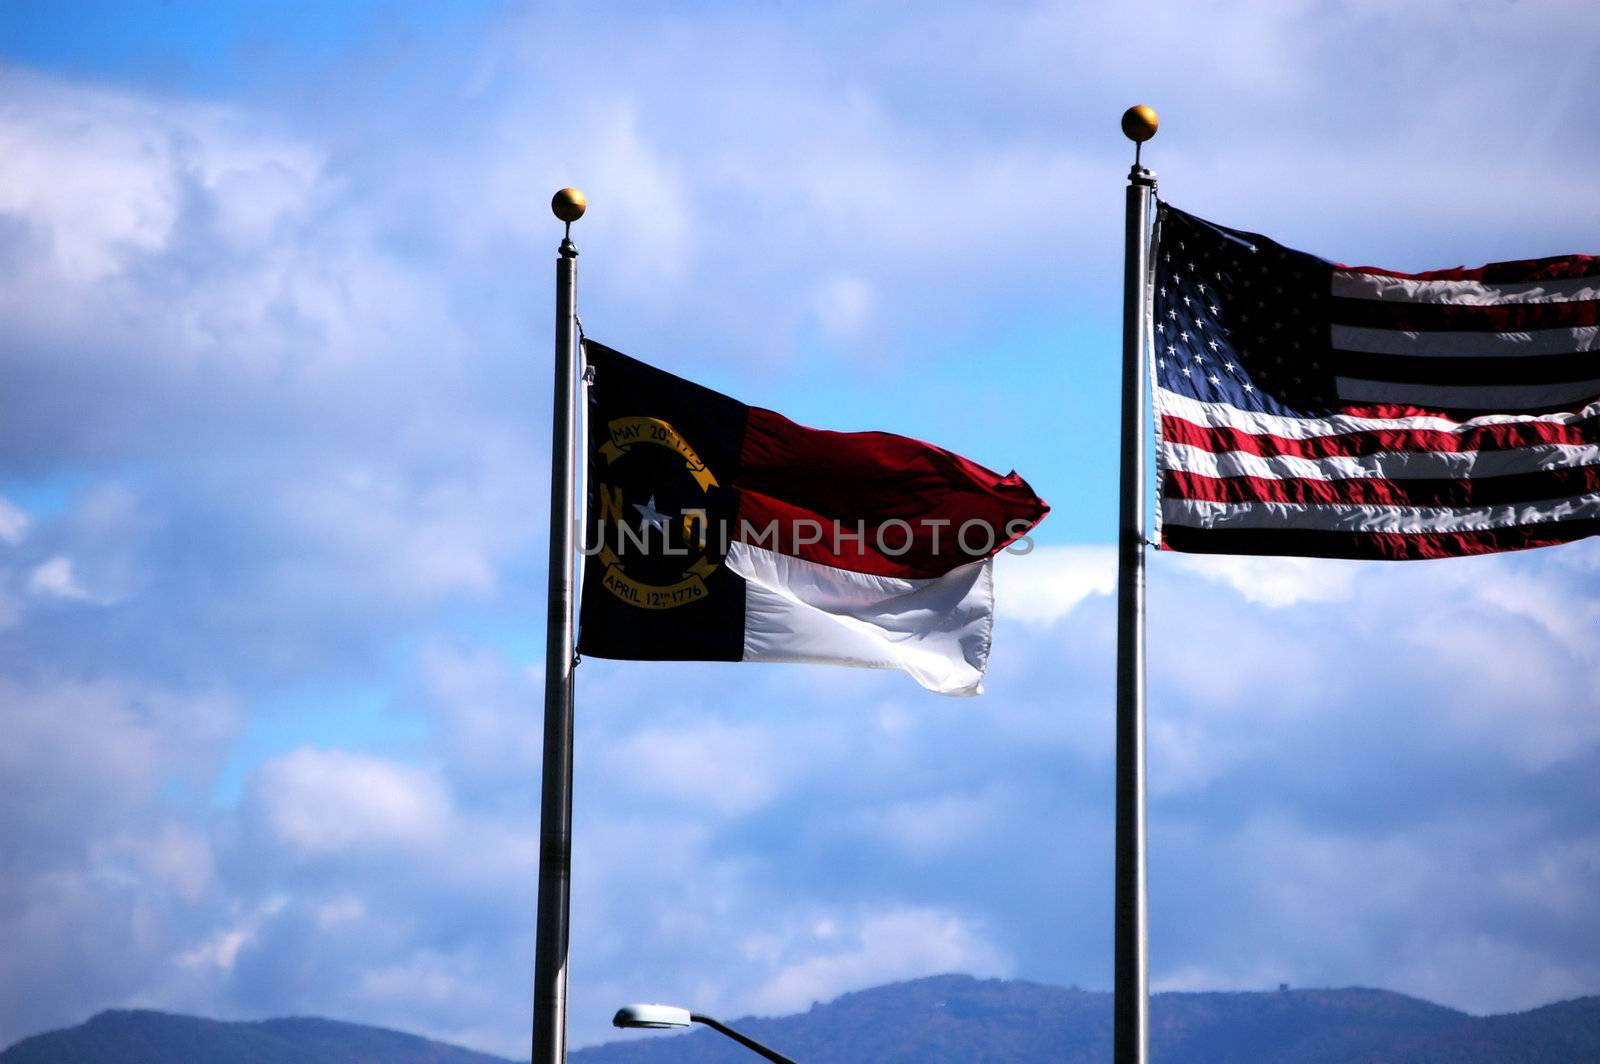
x=663 y=1017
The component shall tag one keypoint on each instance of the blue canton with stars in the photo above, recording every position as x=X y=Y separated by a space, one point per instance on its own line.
x=1240 y=319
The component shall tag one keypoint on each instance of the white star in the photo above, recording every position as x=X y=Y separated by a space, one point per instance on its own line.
x=1215 y=309
x=1187 y=372
x=1184 y=336
x=1213 y=379
x=1228 y=366
x=1249 y=387
x=652 y=517
x=1214 y=345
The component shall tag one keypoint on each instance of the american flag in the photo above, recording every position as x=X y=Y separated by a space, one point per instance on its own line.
x=1312 y=409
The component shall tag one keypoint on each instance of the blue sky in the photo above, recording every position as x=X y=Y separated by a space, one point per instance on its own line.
x=277 y=291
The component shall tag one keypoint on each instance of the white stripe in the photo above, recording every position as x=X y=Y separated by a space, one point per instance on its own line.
x=1348 y=284
x=1386 y=465
x=936 y=629
x=1466 y=344
x=1466 y=396
x=1223 y=415
x=1271 y=515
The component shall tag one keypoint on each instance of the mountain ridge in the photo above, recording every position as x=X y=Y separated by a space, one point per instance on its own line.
x=147 y=1036
x=932 y=1020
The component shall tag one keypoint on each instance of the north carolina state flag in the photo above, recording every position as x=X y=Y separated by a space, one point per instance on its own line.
x=724 y=532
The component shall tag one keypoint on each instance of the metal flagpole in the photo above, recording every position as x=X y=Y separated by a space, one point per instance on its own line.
x=555 y=795
x=1131 y=978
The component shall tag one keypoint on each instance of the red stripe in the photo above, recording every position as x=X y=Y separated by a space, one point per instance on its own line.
x=910 y=499
x=1510 y=489
x=1500 y=437
x=1380 y=546
x=1463 y=317
x=1521 y=271
x=1396 y=411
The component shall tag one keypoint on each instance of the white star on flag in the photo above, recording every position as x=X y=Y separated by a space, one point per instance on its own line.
x=652 y=517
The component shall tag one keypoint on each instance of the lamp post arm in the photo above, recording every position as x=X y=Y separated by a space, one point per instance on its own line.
x=749 y=1043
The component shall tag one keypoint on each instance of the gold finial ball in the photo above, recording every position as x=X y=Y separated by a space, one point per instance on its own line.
x=1140 y=123
x=569 y=205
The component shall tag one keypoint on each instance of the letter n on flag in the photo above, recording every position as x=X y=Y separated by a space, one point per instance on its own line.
x=718 y=531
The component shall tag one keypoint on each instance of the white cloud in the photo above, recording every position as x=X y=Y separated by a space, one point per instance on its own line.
x=1187 y=751
x=108 y=184
x=482 y=699
x=220 y=951
x=426 y=978
x=11 y=604
x=1404 y=909
x=55 y=579
x=13 y=522
x=79 y=180
x=1277 y=581
x=82 y=760
x=340 y=912
x=322 y=802
x=1484 y=973
x=430 y=534
x=1552 y=593
x=727 y=769
x=1045 y=585
x=923 y=827
x=878 y=948
x=844 y=305
x=175 y=857
x=92 y=853
x=58 y=578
